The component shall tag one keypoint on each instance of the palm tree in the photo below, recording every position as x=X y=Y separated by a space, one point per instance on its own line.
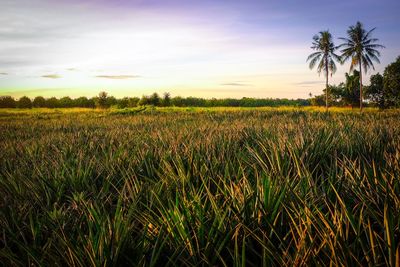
x=324 y=56
x=362 y=49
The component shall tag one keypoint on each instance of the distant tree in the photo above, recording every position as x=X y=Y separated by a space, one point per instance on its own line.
x=342 y=94
x=52 y=102
x=194 y=102
x=362 y=50
x=351 y=94
x=123 y=102
x=133 y=102
x=177 y=101
x=166 y=102
x=112 y=101
x=92 y=102
x=324 y=57
x=335 y=97
x=144 y=101
x=102 y=101
x=83 y=102
x=154 y=99
x=231 y=102
x=127 y=102
x=65 y=102
x=336 y=94
x=318 y=100
x=7 y=102
x=391 y=83
x=24 y=102
x=374 y=92
x=39 y=102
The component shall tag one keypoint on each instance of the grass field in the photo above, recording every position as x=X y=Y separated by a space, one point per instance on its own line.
x=199 y=187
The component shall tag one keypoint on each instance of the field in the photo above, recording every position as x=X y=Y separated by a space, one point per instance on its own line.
x=199 y=187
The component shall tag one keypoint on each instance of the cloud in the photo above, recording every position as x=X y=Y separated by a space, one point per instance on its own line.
x=32 y=92
x=71 y=69
x=236 y=84
x=51 y=76
x=308 y=83
x=118 y=77
x=3 y=73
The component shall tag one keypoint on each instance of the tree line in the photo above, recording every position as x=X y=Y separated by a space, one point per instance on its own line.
x=103 y=100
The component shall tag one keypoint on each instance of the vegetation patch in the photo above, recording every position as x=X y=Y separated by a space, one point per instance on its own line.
x=212 y=187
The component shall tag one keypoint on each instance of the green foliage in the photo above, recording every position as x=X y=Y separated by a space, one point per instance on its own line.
x=144 y=101
x=102 y=100
x=84 y=102
x=166 y=102
x=39 y=102
x=227 y=102
x=52 y=102
x=336 y=93
x=66 y=102
x=344 y=94
x=318 y=100
x=24 y=102
x=230 y=102
x=267 y=187
x=7 y=102
x=127 y=102
x=154 y=100
x=123 y=103
x=392 y=83
x=351 y=93
x=383 y=91
x=374 y=92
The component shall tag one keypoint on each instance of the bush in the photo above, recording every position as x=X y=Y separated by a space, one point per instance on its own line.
x=24 y=102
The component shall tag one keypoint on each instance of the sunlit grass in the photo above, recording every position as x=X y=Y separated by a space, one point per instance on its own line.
x=46 y=110
x=200 y=186
x=181 y=109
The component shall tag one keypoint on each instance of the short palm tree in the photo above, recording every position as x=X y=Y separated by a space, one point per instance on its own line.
x=324 y=56
x=361 y=49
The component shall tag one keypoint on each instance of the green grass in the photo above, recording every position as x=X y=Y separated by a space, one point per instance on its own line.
x=199 y=186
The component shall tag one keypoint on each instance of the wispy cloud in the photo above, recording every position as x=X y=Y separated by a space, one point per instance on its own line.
x=51 y=76
x=236 y=84
x=71 y=69
x=118 y=77
x=3 y=73
x=33 y=92
x=308 y=83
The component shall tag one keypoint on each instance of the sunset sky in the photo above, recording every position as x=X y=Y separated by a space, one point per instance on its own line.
x=208 y=48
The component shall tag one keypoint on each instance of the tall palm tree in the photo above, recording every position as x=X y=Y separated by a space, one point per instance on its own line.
x=362 y=49
x=324 y=56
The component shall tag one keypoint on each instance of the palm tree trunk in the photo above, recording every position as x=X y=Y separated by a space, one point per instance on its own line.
x=361 y=88
x=326 y=88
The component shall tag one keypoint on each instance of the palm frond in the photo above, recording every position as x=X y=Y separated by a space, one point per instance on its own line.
x=314 y=61
x=332 y=66
x=325 y=53
x=367 y=63
x=360 y=47
x=369 y=33
x=321 y=66
x=313 y=55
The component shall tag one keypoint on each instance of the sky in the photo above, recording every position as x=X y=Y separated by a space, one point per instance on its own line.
x=208 y=48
